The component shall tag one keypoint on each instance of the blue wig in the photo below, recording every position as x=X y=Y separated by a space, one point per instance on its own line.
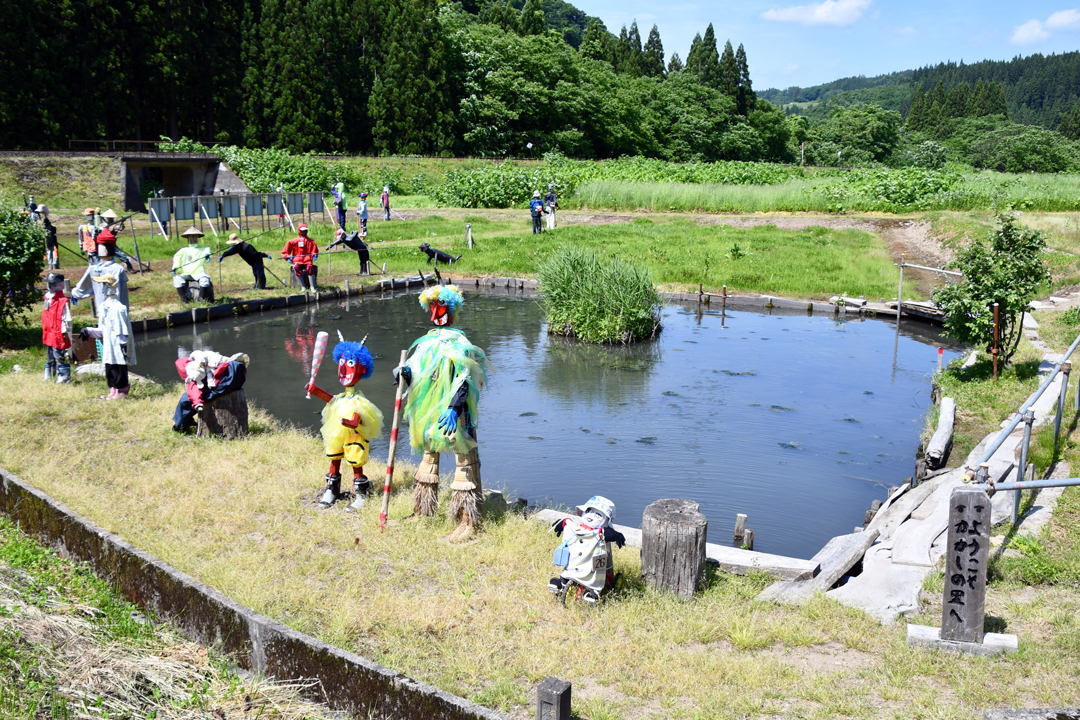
x=355 y=351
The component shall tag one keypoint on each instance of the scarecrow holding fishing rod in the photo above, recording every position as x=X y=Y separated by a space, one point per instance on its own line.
x=444 y=374
x=349 y=420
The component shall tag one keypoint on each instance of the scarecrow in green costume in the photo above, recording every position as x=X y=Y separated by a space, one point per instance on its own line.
x=445 y=373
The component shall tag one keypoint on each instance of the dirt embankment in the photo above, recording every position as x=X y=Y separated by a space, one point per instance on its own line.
x=66 y=184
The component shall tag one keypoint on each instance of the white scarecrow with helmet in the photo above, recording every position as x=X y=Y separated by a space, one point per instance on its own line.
x=585 y=553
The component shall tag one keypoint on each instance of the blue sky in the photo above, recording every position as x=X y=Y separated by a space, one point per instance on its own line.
x=793 y=42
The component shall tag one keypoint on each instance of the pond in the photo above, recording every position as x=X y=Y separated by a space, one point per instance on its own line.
x=799 y=422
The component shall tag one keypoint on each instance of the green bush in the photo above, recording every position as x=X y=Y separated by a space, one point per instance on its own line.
x=509 y=185
x=1025 y=148
x=906 y=187
x=928 y=154
x=597 y=299
x=22 y=258
x=1007 y=268
x=263 y=169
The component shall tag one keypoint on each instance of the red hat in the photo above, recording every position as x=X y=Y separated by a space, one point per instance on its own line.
x=301 y=227
x=106 y=236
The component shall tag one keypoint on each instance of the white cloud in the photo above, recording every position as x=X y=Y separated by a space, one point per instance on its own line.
x=829 y=12
x=1064 y=20
x=1033 y=31
x=788 y=69
x=1030 y=32
x=907 y=31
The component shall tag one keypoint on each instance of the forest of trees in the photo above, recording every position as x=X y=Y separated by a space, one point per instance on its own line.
x=1038 y=89
x=375 y=76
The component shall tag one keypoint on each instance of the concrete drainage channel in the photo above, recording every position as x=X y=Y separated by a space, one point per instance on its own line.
x=347 y=682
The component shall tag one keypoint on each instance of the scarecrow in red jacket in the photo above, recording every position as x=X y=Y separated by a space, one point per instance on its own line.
x=56 y=330
x=302 y=253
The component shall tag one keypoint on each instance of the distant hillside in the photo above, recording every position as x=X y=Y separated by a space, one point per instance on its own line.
x=818 y=93
x=1039 y=89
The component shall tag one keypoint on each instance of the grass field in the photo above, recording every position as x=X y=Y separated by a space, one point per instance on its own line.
x=813 y=263
x=477 y=619
x=980 y=191
x=72 y=648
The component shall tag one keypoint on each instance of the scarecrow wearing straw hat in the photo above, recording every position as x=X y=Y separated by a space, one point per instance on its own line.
x=114 y=331
x=445 y=373
x=88 y=233
x=349 y=421
x=248 y=254
x=189 y=263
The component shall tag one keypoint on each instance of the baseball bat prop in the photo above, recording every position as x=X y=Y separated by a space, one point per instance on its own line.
x=393 y=447
x=317 y=357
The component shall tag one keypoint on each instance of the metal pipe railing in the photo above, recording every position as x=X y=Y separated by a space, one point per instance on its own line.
x=1025 y=415
x=1035 y=484
x=1019 y=416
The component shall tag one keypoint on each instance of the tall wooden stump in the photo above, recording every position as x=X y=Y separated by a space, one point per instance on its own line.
x=226 y=416
x=673 y=546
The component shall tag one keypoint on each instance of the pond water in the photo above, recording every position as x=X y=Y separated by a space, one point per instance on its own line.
x=799 y=422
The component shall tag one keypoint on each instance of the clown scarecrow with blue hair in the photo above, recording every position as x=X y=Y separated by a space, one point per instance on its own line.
x=445 y=373
x=349 y=422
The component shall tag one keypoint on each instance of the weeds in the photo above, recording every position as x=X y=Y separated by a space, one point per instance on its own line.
x=597 y=299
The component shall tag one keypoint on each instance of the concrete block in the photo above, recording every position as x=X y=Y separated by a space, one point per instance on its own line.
x=1033 y=714
x=553 y=699
x=992 y=644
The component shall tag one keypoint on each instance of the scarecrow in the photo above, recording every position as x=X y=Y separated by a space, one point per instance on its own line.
x=585 y=553
x=349 y=422
x=207 y=376
x=302 y=253
x=56 y=330
x=114 y=331
x=353 y=241
x=445 y=373
x=189 y=264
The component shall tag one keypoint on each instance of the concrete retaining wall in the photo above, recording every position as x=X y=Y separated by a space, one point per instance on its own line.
x=346 y=682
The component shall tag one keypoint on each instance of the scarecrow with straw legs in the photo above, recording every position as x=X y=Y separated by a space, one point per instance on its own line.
x=444 y=374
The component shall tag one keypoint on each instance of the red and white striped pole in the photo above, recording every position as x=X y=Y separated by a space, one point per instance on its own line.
x=393 y=446
x=317 y=355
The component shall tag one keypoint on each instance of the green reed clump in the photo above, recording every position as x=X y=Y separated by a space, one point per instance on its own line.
x=598 y=299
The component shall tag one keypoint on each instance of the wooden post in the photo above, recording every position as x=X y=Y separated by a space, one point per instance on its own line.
x=740 y=527
x=938 y=447
x=748 y=539
x=673 y=546
x=967 y=553
x=226 y=416
x=553 y=699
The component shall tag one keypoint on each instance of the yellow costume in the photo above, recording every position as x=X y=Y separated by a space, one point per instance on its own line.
x=342 y=441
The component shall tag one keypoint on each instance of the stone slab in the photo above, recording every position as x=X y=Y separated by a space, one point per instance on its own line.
x=882 y=589
x=731 y=559
x=836 y=558
x=992 y=644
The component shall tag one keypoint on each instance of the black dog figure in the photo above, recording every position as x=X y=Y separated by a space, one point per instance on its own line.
x=438 y=255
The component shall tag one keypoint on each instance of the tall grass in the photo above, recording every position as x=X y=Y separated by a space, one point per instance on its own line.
x=598 y=299
x=864 y=191
x=688 y=197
